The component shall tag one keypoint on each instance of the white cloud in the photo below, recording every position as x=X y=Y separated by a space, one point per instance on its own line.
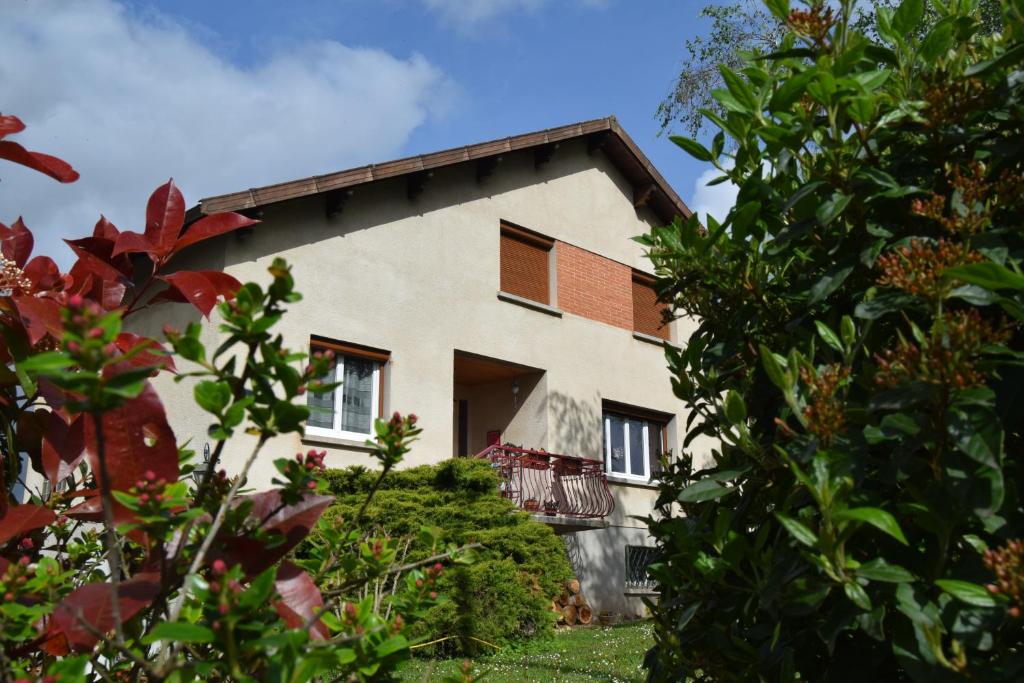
x=130 y=101
x=715 y=199
x=467 y=15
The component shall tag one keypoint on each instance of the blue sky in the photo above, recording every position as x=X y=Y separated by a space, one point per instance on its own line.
x=231 y=94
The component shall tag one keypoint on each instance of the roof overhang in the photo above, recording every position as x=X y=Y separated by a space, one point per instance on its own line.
x=649 y=187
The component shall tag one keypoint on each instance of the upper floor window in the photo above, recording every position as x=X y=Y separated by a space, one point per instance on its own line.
x=647 y=310
x=633 y=442
x=526 y=263
x=349 y=411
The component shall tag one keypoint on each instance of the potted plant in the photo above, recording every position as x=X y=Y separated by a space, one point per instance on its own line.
x=531 y=504
x=550 y=506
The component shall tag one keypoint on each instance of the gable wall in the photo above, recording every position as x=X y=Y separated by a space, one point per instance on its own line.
x=420 y=279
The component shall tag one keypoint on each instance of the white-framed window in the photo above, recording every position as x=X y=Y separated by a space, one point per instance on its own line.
x=632 y=445
x=349 y=411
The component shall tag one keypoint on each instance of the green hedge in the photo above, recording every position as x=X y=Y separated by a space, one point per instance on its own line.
x=505 y=596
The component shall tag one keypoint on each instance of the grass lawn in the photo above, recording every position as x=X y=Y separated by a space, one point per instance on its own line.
x=581 y=654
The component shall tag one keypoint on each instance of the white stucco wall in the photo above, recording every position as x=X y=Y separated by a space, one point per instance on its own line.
x=420 y=279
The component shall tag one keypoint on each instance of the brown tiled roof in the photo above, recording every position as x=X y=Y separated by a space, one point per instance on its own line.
x=649 y=185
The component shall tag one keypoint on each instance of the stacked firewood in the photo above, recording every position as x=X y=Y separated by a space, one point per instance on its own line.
x=572 y=608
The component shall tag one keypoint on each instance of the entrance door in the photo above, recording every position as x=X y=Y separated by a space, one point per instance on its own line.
x=462 y=427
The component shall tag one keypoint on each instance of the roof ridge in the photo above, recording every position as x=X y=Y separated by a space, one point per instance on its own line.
x=358 y=175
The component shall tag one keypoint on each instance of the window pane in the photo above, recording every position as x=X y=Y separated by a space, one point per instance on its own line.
x=618 y=443
x=357 y=395
x=321 y=406
x=636 y=446
x=654 y=445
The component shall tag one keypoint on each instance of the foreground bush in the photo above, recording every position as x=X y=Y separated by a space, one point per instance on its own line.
x=858 y=361
x=125 y=563
x=506 y=594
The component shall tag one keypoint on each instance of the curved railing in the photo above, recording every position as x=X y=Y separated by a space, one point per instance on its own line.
x=541 y=482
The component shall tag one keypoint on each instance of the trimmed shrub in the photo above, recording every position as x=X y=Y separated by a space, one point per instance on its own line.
x=501 y=598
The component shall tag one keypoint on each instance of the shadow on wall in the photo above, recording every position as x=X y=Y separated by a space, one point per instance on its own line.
x=575 y=425
x=598 y=558
x=379 y=203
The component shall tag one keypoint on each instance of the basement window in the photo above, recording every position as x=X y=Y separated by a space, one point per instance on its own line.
x=349 y=411
x=526 y=263
x=638 y=559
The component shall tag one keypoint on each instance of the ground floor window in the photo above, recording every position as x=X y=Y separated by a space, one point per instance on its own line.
x=633 y=444
x=638 y=559
x=349 y=411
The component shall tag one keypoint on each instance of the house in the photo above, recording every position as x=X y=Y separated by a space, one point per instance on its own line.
x=495 y=291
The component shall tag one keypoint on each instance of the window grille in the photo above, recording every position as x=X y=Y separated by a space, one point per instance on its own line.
x=638 y=559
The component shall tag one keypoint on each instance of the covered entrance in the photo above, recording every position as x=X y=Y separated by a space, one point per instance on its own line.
x=497 y=401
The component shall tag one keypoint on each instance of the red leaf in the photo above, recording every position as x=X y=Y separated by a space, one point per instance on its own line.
x=89 y=260
x=225 y=285
x=300 y=599
x=165 y=215
x=291 y=522
x=198 y=288
x=92 y=603
x=63 y=446
x=17 y=242
x=137 y=439
x=44 y=274
x=44 y=163
x=16 y=520
x=10 y=124
x=127 y=341
x=89 y=510
x=105 y=229
x=133 y=243
x=211 y=226
x=41 y=316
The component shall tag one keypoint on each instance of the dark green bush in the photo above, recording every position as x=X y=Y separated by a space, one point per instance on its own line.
x=858 y=362
x=503 y=597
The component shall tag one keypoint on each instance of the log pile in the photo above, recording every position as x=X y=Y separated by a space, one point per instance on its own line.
x=571 y=607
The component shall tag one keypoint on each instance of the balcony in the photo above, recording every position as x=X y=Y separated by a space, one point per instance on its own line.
x=568 y=492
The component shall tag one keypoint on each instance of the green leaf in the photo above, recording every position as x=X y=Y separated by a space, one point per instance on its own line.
x=790 y=91
x=735 y=409
x=212 y=396
x=938 y=41
x=876 y=517
x=43 y=363
x=776 y=374
x=988 y=275
x=828 y=336
x=797 y=530
x=968 y=592
x=692 y=147
x=180 y=631
x=703 y=490
x=739 y=89
x=857 y=595
x=832 y=207
x=779 y=8
x=848 y=331
x=882 y=305
x=880 y=570
x=907 y=16
x=1011 y=56
x=829 y=283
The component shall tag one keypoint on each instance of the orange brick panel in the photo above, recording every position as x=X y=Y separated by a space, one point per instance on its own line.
x=594 y=287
